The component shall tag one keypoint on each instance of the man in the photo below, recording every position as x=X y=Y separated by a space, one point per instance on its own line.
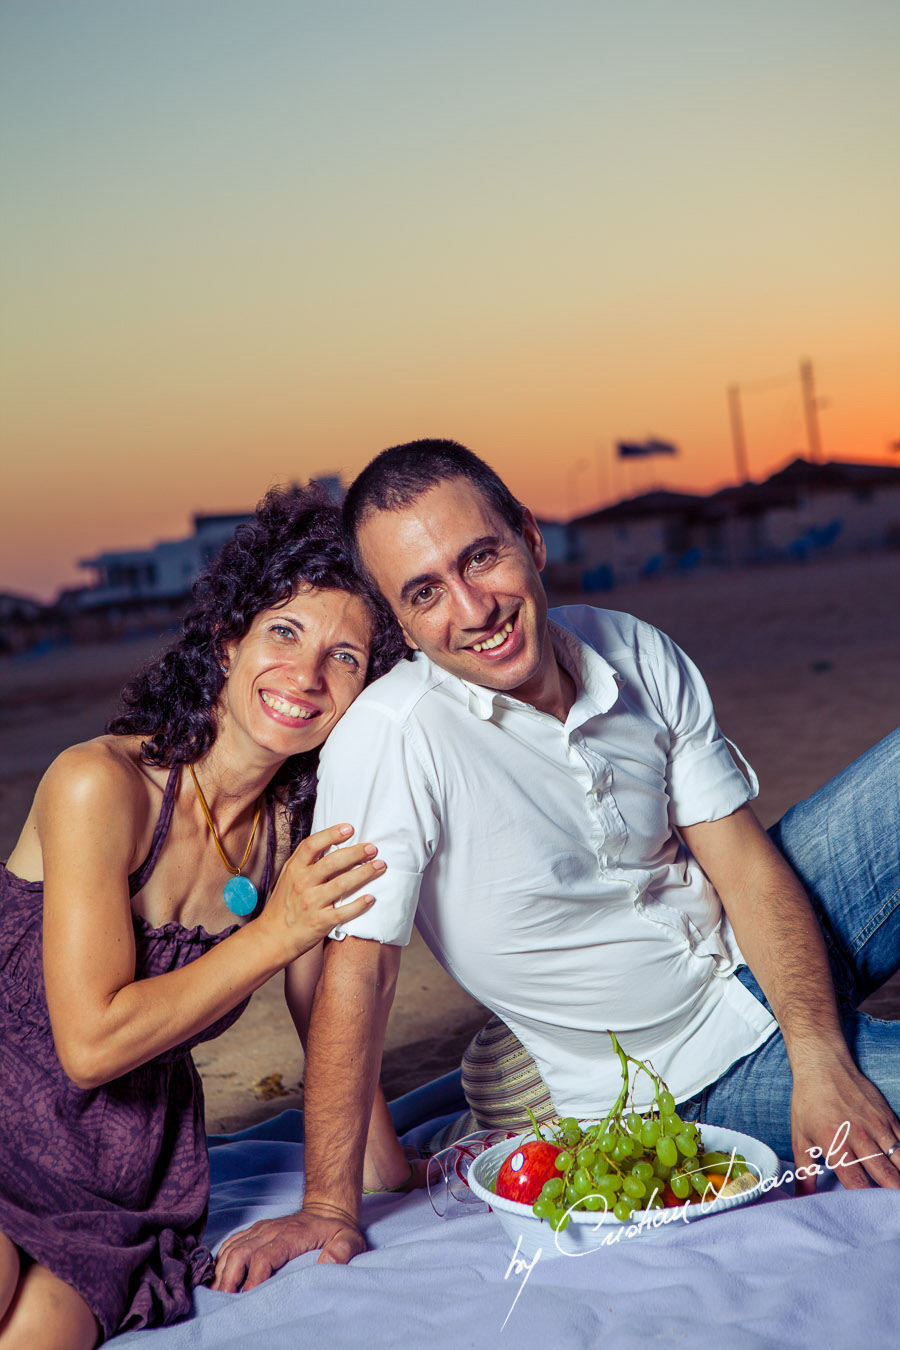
x=562 y=817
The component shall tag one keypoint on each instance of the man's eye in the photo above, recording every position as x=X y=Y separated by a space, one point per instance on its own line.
x=424 y=595
x=479 y=559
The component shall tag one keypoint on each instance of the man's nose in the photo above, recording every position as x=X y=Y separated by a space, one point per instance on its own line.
x=472 y=605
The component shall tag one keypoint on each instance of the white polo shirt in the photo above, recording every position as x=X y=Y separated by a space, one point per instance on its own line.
x=538 y=859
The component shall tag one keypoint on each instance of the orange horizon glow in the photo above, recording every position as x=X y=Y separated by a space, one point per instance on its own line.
x=264 y=257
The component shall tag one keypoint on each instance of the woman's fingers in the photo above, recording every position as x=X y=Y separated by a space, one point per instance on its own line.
x=348 y=882
x=302 y=891
x=319 y=884
x=338 y=874
x=310 y=849
x=325 y=861
x=342 y=861
x=338 y=863
x=344 y=913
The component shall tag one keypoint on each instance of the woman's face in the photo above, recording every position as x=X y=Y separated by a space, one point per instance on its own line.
x=297 y=669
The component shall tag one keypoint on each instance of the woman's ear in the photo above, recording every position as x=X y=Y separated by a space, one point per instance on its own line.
x=225 y=655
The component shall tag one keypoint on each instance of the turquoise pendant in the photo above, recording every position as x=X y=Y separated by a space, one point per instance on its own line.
x=240 y=895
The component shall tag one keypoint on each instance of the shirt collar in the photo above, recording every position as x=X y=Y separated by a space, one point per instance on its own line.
x=596 y=683
x=595 y=680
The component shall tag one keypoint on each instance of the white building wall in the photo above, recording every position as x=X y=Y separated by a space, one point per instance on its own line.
x=176 y=564
x=626 y=547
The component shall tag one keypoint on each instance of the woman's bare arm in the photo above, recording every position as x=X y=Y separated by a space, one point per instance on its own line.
x=90 y=808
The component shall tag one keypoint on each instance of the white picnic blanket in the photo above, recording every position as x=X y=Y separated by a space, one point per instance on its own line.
x=811 y=1272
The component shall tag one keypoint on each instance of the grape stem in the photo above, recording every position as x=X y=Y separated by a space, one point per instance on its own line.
x=624 y=1059
x=534 y=1125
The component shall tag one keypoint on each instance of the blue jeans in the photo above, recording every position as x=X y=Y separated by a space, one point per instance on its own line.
x=844 y=843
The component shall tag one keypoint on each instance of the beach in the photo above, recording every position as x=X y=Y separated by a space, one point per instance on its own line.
x=802 y=660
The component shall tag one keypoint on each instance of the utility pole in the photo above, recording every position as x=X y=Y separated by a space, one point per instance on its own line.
x=737 y=432
x=603 y=476
x=573 y=477
x=811 y=412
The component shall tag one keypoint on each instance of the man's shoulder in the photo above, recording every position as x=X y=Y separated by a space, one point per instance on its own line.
x=607 y=631
x=396 y=698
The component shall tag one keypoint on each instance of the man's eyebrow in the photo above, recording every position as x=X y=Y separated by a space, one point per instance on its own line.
x=428 y=578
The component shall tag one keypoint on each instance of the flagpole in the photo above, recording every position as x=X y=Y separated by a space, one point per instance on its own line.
x=737 y=432
x=810 y=408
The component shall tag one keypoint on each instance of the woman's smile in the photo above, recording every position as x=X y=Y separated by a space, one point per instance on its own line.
x=283 y=707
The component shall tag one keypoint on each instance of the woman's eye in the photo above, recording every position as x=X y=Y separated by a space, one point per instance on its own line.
x=282 y=630
x=348 y=659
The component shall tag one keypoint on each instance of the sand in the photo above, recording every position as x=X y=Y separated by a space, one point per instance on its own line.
x=802 y=661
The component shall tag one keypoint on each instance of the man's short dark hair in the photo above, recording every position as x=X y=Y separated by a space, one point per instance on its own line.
x=400 y=475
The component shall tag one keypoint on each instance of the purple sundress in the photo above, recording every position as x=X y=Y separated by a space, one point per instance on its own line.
x=107 y=1187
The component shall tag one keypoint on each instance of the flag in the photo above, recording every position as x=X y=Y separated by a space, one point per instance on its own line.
x=634 y=449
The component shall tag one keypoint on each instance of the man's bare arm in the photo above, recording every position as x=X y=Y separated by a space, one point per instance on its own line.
x=346 y=1037
x=346 y=1040
x=386 y=1166
x=779 y=935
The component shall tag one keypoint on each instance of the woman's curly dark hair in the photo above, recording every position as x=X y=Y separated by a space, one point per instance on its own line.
x=295 y=536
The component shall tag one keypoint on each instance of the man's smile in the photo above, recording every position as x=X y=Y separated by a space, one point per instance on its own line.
x=504 y=641
x=496 y=640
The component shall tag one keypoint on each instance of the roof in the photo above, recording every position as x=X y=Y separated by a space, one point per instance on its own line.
x=783 y=488
x=659 y=503
x=836 y=473
x=228 y=519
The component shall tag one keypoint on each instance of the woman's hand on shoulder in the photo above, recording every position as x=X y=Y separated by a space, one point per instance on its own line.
x=304 y=906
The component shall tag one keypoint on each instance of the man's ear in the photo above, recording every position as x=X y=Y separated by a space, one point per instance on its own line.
x=408 y=640
x=534 y=540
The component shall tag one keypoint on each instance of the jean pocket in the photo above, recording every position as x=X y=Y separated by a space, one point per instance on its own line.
x=693 y=1108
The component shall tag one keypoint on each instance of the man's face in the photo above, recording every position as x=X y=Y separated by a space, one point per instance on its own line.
x=464 y=586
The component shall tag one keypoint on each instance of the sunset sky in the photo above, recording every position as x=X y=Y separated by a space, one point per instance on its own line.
x=250 y=241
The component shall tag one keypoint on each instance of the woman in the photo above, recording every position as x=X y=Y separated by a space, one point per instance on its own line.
x=117 y=949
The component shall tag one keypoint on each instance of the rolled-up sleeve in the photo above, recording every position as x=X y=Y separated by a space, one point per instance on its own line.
x=371 y=777
x=703 y=779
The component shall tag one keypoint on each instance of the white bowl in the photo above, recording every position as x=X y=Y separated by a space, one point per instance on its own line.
x=589 y=1231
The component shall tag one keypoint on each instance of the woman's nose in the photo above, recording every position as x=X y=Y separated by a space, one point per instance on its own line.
x=307 y=672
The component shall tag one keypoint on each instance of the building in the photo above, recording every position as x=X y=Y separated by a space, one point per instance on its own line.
x=801 y=510
x=167 y=571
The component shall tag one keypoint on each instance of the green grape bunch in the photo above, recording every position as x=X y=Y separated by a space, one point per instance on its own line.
x=631 y=1161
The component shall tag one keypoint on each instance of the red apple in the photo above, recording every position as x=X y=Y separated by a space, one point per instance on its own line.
x=524 y=1172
